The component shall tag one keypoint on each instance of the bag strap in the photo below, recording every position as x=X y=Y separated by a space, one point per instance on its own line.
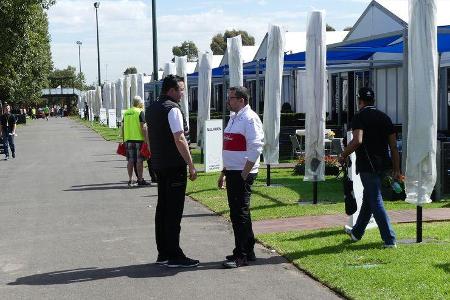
x=368 y=157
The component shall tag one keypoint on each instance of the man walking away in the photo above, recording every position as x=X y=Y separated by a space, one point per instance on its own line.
x=373 y=137
x=167 y=129
x=134 y=133
x=8 y=131
x=243 y=141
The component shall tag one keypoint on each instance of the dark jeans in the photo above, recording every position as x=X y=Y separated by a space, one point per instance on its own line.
x=239 y=192
x=372 y=204
x=8 y=140
x=169 y=211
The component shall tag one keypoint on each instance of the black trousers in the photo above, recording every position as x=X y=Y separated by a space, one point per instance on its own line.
x=239 y=192
x=151 y=172
x=169 y=211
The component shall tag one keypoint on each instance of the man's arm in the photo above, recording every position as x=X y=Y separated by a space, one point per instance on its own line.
x=255 y=143
x=353 y=145
x=394 y=156
x=183 y=149
x=145 y=132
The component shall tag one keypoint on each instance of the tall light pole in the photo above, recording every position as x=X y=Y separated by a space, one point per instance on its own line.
x=155 y=42
x=97 y=5
x=79 y=43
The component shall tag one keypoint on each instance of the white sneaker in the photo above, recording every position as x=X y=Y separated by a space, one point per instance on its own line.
x=386 y=246
x=348 y=230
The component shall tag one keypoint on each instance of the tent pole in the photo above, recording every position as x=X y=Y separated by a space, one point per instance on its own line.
x=201 y=155
x=268 y=175
x=315 y=191
x=257 y=88
x=419 y=225
x=315 y=184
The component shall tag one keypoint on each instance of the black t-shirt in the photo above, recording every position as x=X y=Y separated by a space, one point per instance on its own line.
x=7 y=121
x=373 y=155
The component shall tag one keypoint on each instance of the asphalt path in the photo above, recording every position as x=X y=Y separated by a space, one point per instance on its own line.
x=70 y=228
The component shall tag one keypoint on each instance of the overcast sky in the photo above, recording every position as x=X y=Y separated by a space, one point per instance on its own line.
x=125 y=27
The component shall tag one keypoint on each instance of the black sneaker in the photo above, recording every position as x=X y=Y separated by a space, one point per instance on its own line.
x=13 y=155
x=183 y=262
x=131 y=183
x=161 y=260
x=142 y=183
x=233 y=264
x=6 y=158
x=250 y=257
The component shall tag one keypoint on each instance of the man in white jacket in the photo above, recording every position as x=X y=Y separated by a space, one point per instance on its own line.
x=242 y=146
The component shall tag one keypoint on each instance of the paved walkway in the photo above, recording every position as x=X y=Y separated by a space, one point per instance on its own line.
x=71 y=229
x=328 y=221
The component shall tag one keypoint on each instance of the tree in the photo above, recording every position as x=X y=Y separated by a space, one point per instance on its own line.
x=130 y=70
x=219 y=41
x=67 y=78
x=330 y=28
x=187 y=48
x=25 y=57
x=348 y=28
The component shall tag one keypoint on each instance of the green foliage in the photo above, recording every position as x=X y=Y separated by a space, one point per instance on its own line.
x=187 y=48
x=330 y=28
x=130 y=70
x=25 y=57
x=348 y=28
x=67 y=78
x=219 y=41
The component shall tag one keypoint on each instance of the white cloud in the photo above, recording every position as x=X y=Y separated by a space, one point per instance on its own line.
x=125 y=30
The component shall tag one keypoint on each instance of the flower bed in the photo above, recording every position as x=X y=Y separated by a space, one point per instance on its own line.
x=332 y=166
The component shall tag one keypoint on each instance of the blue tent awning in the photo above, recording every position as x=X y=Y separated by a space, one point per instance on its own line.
x=347 y=52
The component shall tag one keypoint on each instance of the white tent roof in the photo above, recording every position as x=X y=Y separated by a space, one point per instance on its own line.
x=296 y=42
x=248 y=52
x=400 y=9
x=215 y=62
x=190 y=67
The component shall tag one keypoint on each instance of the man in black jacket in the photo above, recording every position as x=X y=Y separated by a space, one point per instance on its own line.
x=167 y=131
x=8 y=131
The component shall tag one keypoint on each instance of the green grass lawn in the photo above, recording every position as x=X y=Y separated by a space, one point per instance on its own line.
x=363 y=270
x=281 y=200
x=109 y=134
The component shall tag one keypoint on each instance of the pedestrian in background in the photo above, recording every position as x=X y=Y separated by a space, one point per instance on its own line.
x=134 y=133
x=373 y=139
x=7 y=131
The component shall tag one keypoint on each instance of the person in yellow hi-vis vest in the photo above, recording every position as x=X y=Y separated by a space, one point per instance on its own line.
x=134 y=133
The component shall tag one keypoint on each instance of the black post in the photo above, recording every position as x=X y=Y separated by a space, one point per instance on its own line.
x=315 y=192
x=419 y=225
x=155 y=46
x=201 y=155
x=96 y=5
x=268 y=175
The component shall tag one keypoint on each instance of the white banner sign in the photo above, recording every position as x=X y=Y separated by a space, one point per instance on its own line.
x=103 y=117
x=112 y=118
x=213 y=145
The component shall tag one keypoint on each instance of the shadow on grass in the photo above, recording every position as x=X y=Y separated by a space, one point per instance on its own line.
x=132 y=271
x=346 y=245
x=445 y=267
x=317 y=234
